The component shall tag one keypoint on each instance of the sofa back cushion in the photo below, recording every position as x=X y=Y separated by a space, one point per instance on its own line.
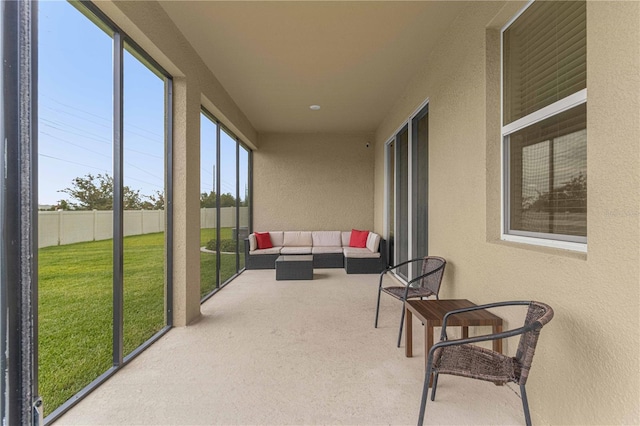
x=252 y=242
x=297 y=239
x=326 y=239
x=277 y=238
x=373 y=242
x=346 y=237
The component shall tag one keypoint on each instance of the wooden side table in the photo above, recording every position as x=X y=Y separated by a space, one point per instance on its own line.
x=431 y=313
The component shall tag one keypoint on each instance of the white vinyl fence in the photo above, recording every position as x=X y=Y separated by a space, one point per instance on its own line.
x=68 y=227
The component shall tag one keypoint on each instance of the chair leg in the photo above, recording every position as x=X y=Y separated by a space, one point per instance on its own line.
x=425 y=391
x=401 y=324
x=525 y=405
x=377 y=308
x=434 y=386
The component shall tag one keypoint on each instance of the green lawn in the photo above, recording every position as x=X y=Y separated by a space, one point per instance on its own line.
x=74 y=318
x=76 y=306
x=208 y=261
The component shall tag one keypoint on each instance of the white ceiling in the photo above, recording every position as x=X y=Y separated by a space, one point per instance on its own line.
x=277 y=58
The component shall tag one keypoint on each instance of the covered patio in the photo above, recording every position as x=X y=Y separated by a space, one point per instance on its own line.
x=291 y=352
x=442 y=127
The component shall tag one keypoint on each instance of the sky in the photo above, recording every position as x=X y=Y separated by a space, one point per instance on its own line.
x=227 y=165
x=75 y=108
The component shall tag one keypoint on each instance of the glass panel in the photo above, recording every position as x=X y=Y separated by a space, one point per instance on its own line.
x=548 y=175
x=420 y=186
x=75 y=262
x=228 y=195
x=544 y=55
x=402 y=204
x=208 y=266
x=243 y=228
x=143 y=193
x=391 y=210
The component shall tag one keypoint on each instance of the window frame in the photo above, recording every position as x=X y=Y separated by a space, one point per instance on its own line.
x=567 y=242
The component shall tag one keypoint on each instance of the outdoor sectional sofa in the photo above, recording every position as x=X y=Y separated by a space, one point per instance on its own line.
x=330 y=249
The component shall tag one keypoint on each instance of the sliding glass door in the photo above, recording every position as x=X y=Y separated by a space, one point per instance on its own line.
x=390 y=199
x=420 y=183
x=407 y=202
x=402 y=202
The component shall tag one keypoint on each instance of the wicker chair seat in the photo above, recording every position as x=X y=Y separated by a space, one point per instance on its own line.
x=398 y=292
x=424 y=285
x=476 y=362
x=461 y=357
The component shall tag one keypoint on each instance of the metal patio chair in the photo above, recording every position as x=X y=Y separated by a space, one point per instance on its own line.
x=462 y=358
x=425 y=285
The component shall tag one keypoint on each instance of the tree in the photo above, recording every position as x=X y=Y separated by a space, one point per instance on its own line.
x=570 y=197
x=154 y=202
x=131 y=199
x=96 y=193
x=227 y=200
x=91 y=192
x=62 y=205
x=208 y=200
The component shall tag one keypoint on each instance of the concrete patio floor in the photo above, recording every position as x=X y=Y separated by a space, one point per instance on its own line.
x=269 y=352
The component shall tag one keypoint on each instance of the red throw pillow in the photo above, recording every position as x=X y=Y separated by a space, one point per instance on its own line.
x=358 y=238
x=263 y=239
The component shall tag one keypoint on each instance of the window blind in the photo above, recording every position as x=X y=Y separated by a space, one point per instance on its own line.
x=548 y=175
x=544 y=53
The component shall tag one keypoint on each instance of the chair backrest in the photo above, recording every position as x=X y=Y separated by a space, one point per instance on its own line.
x=432 y=281
x=538 y=315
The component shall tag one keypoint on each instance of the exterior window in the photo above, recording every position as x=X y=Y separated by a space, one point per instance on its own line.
x=544 y=125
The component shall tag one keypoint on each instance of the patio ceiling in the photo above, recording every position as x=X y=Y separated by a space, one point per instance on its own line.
x=276 y=59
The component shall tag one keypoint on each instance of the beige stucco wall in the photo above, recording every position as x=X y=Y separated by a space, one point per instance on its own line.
x=313 y=182
x=586 y=369
x=194 y=86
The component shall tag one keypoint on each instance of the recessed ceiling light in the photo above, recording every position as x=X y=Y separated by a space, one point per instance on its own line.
x=314 y=107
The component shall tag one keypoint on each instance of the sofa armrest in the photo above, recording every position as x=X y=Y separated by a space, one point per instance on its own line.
x=383 y=252
x=246 y=248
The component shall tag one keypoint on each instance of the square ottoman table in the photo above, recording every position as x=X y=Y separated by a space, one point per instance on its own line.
x=294 y=267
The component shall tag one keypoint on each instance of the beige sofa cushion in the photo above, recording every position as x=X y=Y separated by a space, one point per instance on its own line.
x=295 y=250
x=325 y=250
x=373 y=242
x=346 y=237
x=277 y=238
x=362 y=253
x=297 y=239
x=326 y=239
x=253 y=245
x=273 y=250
